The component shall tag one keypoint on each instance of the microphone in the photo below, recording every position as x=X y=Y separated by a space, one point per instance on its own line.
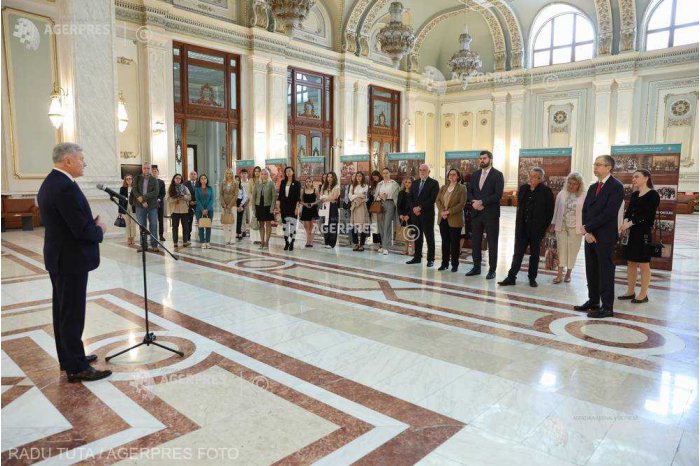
x=111 y=192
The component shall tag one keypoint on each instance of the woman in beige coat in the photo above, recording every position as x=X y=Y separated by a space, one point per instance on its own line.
x=179 y=205
x=359 y=215
x=228 y=194
x=568 y=225
x=450 y=204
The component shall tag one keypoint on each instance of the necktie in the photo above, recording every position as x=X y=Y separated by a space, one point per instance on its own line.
x=598 y=188
x=420 y=187
x=484 y=174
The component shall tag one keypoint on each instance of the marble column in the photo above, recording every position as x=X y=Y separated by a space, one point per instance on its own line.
x=88 y=71
x=500 y=103
x=346 y=110
x=517 y=100
x=277 y=109
x=625 y=110
x=158 y=54
x=361 y=115
x=601 y=126
x=257 y=69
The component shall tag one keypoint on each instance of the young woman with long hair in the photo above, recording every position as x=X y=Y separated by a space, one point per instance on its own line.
x=288 y=201
x=179 y=205
x=359 y=215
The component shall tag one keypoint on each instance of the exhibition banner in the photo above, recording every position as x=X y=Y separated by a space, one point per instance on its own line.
x=663 y=162
x=351 y=164
x=313 y=167
x=465 y=162
x=556 y=163
x=405 y=164
x=276 y=167
x=247 y=164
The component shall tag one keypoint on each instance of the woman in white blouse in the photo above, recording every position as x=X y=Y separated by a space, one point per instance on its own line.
x=387 y=192
x=567 y=223
x=359 y=215
x=330 y=192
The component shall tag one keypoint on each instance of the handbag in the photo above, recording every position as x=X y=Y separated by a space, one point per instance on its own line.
x=551 y=253
x=227 y=218
x=204 y=222
x=376 y=207
x=120 y=222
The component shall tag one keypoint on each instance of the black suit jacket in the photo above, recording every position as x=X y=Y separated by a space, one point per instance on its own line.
x=600 y=212
x=124 y=191
x=541 y=213
x=490 y=195
x=71 y=237
x=426 y=199
x=161 y=193
x=289 y=203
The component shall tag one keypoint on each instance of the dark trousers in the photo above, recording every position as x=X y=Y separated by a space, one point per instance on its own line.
x=330 y=232
x=359 y=234
x=160 y=221
x=600 y=273
x=177 y=219
x=522 y=241
x=69 y=294
x=187 y=233
x=479 y=225
x=426 y=227
x=450 y=243
x=239 y=218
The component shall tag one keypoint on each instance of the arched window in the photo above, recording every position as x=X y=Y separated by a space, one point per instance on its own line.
x=561 y=34
x=671 y=23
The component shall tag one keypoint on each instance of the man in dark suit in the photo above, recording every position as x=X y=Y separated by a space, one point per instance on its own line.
x=145 y=193
x=190 y=185
x=484 y=192
x=534 y=215
x=600 y=222
x=161 y=201
x=424 y=191
x=71 y=249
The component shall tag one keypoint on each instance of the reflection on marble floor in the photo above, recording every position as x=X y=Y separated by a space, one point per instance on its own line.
x=337 y=357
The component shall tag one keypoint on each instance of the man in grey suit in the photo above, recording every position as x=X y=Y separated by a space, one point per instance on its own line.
x=145 y=195
x=484 y=192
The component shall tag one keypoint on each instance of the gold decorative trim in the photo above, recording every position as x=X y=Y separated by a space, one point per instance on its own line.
x=10 y=88
x=124 y=61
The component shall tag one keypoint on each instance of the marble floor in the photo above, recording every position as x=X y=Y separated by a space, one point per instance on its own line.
x=336 y=357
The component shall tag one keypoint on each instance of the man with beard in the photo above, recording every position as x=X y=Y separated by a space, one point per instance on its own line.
x=484 y=192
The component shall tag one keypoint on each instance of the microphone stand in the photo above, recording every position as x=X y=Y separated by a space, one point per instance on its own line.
x=149 y=338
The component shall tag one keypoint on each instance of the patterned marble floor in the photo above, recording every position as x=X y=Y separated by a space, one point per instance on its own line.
x=335 y=357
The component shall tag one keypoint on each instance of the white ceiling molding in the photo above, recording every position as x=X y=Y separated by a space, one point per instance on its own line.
x=499 y=43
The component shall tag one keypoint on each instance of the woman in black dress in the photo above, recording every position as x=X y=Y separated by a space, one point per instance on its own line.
x=637 y=227
x=288 y=201
x=404 y=204
x=309 y=210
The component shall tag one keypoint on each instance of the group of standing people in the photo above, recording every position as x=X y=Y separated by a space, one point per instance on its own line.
x=253 y=204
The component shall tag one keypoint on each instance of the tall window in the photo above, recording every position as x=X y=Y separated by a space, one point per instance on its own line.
x=672 y=23
x=207 y=113
x=309 y=114
x=562 y=34
x=384 y=131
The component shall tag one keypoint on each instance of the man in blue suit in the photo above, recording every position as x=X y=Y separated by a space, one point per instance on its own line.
x=71 y=250
x=600 y=221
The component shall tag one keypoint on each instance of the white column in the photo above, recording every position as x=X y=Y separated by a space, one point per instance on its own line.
x=625 y=108
x=346 y=111
x=500 y=102
x=159 y=101
x=257 y=67
x=361 y=116
x=517 y=99
x=88 y=70
x=277 y=109
x=601 y=127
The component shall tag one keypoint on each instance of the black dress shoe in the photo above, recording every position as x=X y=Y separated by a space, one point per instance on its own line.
x=587 y=306
x=88 y=375
x=414 y=261
x=491 y=275
x=429 y=264
x=473 y=271
x=90 y=358
x=600 y=313
x=533 y=283
x=443 y=267
x=455 y=268
x=640 y=301
x=626 y=296
x=508 y=281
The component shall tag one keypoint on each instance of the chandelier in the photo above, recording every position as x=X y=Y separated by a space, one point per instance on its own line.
x=464 y=63
x=290 y=13
x=396 y=39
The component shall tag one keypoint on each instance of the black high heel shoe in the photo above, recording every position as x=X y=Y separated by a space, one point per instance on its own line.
x=626 y=297
x=640 y=301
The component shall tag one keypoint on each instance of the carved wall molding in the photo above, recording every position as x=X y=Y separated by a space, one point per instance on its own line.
x=603 y=12
x=628 y=25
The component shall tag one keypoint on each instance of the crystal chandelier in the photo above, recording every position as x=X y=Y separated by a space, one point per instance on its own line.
x=396 y=39
x=464 y=63
x=290 y=13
